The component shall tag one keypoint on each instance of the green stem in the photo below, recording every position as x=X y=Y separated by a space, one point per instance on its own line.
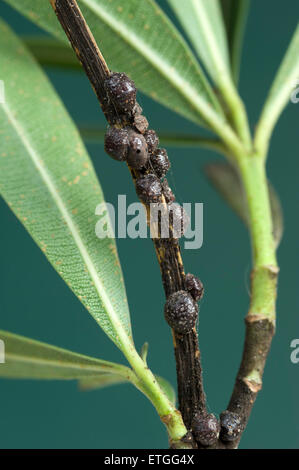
x=262 y=309
x=265 y=269
x=260 y=321
x=146 y=382
x=253 y=174
x=236 y=109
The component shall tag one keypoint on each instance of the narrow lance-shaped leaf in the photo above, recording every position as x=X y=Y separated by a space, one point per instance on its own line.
x=26 y=358
x=235 y=13
x=29 y=359
x=281 y=93
x=103 y=381
x=106 y=380
x=228 y=183
x=51 y=52
x=203 y=24
x=48 y=180
x=138 y=38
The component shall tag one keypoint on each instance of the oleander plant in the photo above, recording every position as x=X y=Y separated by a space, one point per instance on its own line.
x=48 y=180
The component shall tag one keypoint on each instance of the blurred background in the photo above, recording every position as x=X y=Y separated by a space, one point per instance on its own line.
x=35 y=302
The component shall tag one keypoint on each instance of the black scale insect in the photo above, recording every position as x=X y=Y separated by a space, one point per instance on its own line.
x=160 y=162
x=116 y=143
x=135 y=143
x=181 y=312
x=149 y=189
x=124 y=144
x=205 y=428
x=138 y=155
x=231 y=426
x=121 y=91
x=194 y=286
x=152 y=140
x=141 y=123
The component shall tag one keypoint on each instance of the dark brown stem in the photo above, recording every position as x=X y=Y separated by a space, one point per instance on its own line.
x=258 y=338
x=189 y=375
x=190 y=390
x=260 y=329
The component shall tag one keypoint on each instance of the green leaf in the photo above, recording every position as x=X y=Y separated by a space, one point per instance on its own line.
x=286 y=80
x=226 y=180
x=47 y=179
x=29 y=359
x=50 y=52
x=144 y=352
x=235 y=14
x=137 y=38
x=106 y=380
x=203 y=24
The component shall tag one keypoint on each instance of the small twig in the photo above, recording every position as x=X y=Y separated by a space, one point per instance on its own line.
x=259 y=334
x=190 y=390
x=260 y=321
x=260 y=329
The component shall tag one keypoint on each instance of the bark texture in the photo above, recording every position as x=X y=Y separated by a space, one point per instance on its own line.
x=189 y=375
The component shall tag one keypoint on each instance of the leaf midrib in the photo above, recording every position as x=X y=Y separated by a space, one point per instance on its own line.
x=215 y=54
x=116 y=324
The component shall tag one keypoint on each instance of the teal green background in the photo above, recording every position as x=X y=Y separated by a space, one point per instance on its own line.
x=35 y=302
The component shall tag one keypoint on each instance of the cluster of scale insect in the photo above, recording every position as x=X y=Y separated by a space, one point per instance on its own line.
x=134 y=143
x=139 y=147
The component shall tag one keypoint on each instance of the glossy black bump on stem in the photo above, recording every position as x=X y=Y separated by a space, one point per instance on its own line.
x=205 y=428
x=149 y=189
x=160 y=162
x=168 y=194
x=116 y=143
x=194 y=286
x=141 y=123
x=181 y=312
x=231 y=426
x=137 y=151
x=178 y=218
x=122 y=91
x=152 y=140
